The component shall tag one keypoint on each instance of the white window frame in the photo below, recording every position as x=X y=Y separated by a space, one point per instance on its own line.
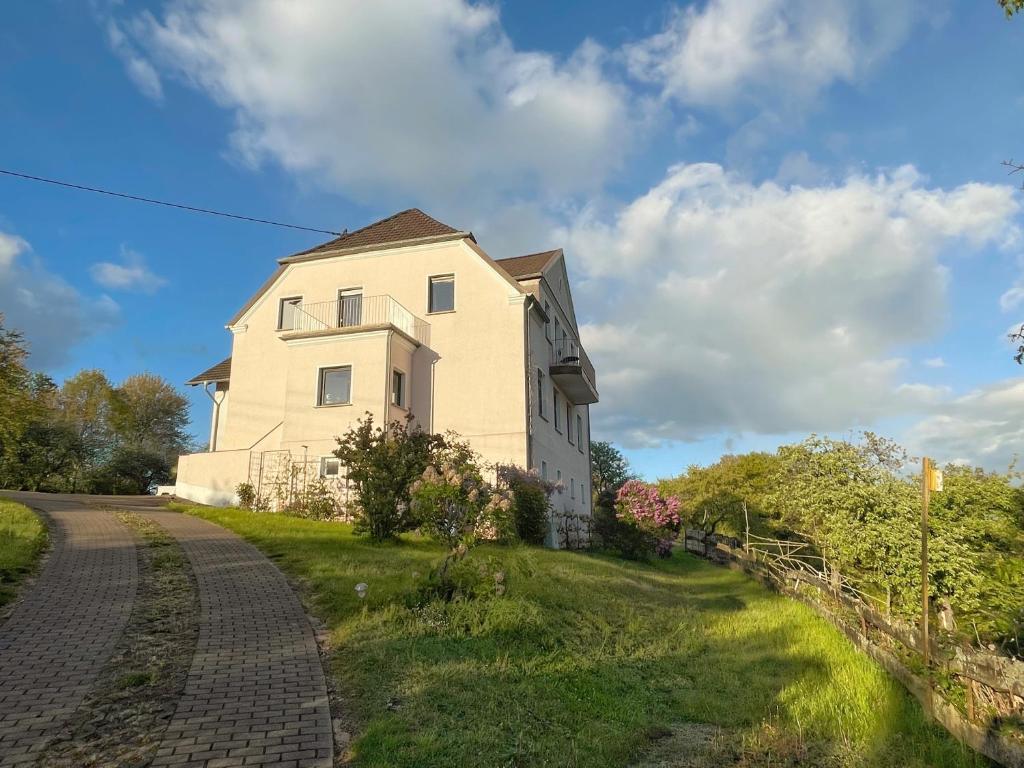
x=287 y=300
x=450 y=278
x=320 y=385
x=324 y=461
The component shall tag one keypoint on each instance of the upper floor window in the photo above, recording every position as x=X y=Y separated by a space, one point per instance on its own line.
x=288 y=313
x=398 y=388
x=547 y=323
x=556 y=408
x=544 y=470
x=335 y=387
x=350 y=307
x=568 y=421
x=572 y=487
x=579 y=431
x=540 y=392
x=442 y=294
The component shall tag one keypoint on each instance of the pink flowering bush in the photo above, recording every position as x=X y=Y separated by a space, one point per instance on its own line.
x=643 y=507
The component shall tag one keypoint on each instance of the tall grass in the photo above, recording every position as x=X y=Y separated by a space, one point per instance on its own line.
x=589 y=661
x=22 y=538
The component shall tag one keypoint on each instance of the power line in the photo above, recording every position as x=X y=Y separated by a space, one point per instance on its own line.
x=164 y=202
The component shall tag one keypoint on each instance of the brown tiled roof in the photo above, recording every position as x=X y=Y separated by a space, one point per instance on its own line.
x=531 y=265
x=220 y=372
x=412 y=224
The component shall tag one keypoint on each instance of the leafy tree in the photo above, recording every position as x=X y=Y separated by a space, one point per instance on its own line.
x=383 y=463
x=726 y=493
x=84 y=405
x=531 y=502
x=16 y=403
x=1011 y=6
x=148 y=413
x=609 y=467
x=133 y=470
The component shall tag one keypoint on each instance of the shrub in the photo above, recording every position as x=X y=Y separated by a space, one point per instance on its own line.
x=246 y=494
x=531 y=506
x=640 y=506
x=613 y=534
x=315 y=502
x=382 y=463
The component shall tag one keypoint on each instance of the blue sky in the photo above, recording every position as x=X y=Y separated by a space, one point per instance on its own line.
x=781 y=217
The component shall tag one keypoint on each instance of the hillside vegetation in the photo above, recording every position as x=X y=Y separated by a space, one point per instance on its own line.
x=22 y=538
x=587 y=661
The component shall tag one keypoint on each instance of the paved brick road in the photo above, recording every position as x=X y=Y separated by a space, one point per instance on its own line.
x=58 y=638
x=256 y=693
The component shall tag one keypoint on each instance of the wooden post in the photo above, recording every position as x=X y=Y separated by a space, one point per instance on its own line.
x=925 y=497
x=746 y=521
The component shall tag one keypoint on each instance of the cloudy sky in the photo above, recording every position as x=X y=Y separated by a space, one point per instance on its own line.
x=781 y=216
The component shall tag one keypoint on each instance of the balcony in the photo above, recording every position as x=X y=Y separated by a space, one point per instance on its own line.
x=355 y=313
x=573 y=372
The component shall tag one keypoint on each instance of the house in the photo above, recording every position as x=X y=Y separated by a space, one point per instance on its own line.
x=405 y=316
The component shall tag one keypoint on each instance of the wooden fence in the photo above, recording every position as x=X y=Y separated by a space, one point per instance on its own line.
x=981 y=697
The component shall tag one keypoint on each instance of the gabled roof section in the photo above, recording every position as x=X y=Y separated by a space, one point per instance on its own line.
x=530 y=265
x=406 y=226
x=220 y=372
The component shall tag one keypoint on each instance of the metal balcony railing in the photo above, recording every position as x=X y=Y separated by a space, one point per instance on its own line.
x=567 y=351
x=358 y=311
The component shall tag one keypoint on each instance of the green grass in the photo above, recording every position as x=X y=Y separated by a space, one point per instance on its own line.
x=22 y=538
x=589 y=661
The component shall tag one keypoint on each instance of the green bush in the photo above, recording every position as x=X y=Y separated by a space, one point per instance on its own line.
x=382 y=463
x=246 y=494
x=531 y=505
x=614 y=535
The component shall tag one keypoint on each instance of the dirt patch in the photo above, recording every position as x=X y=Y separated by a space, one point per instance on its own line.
x=123 y=719
x=702 y=745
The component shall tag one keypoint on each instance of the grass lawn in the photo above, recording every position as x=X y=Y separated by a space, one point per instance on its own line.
x=590 y=661
x=22 y=538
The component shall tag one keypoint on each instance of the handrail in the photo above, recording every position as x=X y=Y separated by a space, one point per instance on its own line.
x=358 y=311
x=567 y=351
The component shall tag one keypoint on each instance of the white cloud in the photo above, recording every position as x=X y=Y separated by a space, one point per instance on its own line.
x=141 y=72
x=131 y=274
x=729 y=306
x=731 y=51
x=50 y=312
x=984 y=427
x=425 y=97
x=934 y=362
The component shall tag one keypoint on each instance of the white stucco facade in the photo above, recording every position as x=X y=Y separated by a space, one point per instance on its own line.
x=481 y=363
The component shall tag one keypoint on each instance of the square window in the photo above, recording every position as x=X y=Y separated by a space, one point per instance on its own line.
x=335 y=386
x=330 y=466
x=288 y=313
x=398 y=388
x=442 y=294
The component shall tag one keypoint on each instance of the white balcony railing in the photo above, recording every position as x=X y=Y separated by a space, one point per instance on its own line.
x=353 y=311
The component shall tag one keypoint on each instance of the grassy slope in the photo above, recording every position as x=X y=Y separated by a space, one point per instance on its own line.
x=22 y=537
x=588 y=661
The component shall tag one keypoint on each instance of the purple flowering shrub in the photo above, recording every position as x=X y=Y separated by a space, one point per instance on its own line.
x=642 y=506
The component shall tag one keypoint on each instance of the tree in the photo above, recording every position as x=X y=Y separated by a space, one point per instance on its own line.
x=133 y=470
x=84 y=404
x=383 y=462
x=727 y=492
x=609 y=467
x=147 y=413
x=15 y=391
x=1011 y=6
